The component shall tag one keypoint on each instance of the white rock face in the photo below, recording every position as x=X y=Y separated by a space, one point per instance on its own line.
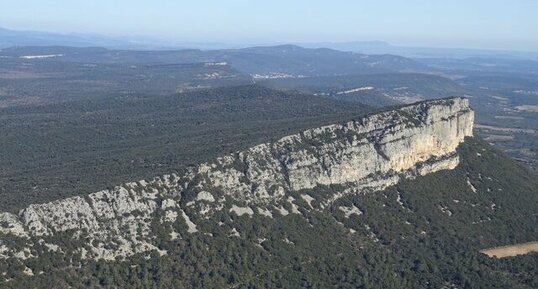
x=10 y=224
x=205 y=196
x=308 y=199
x=265 y=212
x=392 y=142
x=366 y=154
x=348 y=211
x=240 y=211
x=191 y=226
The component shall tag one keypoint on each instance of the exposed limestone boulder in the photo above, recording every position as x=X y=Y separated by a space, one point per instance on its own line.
x=242 y=210
x=205 y=196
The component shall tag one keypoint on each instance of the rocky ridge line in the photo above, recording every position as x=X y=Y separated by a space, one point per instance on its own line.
x=366 y=154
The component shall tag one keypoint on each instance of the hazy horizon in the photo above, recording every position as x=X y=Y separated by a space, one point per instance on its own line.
x=496 y=25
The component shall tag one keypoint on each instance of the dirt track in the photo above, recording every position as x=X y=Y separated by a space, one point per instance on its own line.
x=513 y=250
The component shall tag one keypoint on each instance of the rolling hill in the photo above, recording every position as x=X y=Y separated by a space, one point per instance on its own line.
x=287 y=60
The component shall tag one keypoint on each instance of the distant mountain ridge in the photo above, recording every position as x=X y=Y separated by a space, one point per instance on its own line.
x=10 y=38
x=263 y=62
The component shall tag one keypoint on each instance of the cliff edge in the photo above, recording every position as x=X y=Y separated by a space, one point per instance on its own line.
x=366 y=154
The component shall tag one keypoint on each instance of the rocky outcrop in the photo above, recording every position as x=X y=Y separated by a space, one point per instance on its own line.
x=366 y=154
x=386 y=143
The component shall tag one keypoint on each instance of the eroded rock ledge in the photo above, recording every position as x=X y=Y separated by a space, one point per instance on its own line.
x=366 y=154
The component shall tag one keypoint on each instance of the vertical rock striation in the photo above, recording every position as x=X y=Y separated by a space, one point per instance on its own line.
x=384 y=144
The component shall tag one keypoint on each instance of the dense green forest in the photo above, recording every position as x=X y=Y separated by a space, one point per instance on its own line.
x=404 y=239
x=95 y=118
x=78 y=147
x=30 y=83
x=496 y=86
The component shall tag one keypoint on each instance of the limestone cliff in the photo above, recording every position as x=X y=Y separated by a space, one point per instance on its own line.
x=366 y=154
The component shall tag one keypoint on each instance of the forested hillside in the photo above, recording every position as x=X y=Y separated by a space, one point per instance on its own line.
x=58 y=150
x=418 y=234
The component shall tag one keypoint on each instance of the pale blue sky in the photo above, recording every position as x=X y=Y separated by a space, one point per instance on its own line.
x=438 y=23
